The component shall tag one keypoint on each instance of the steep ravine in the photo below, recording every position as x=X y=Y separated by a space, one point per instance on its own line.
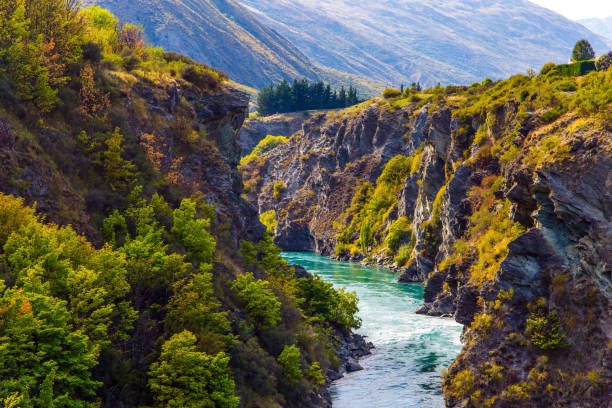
x=504 y=211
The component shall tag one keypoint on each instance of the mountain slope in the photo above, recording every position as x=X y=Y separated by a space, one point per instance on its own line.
x=220 y=33
x=497 y=197
x=429 y=41
x=601 y=26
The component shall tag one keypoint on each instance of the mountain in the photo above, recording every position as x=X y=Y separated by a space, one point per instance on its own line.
x=601 y=26
x=497 y=197
x=220 y=33
x=133 y=273
x=429 y=41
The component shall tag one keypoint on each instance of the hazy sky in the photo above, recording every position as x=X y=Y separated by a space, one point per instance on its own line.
x=575 y=10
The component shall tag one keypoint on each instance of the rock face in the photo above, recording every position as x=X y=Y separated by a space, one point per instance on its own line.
x=254 y=130
x=51 y=172
x=511 y=234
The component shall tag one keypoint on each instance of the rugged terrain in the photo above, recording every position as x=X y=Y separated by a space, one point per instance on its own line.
x=132 y=271
x=257 y=128
x=497 y=197
x=453 y=42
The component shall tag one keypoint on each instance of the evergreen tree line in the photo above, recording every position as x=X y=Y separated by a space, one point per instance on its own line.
x=303 y=95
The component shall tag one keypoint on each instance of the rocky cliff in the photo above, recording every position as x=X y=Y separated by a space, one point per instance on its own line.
x=497 y=197
x=282 y=124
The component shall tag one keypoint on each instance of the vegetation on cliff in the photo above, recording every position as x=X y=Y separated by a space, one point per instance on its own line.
x=493 y=194
x=131 y=272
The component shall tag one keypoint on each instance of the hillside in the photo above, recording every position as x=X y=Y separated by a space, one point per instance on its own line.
x=220 y=33
x=428 y=41
x=132 y=271
x=601 y=26
x=496 y=196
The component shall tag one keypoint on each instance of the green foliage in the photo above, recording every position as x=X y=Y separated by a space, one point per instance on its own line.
x=575 y=69
x=260 y=303
x=303 y=95
x=289 y=359
x=403 y=254
x=320 y=300
x=391 y=93
x=119 y=172
x=186 y=378
x=583 y=51
x=397 y=232
x=345 y=312
x=269 y=220
x=278 y=189
x=316 y=374
x=265 y=145
x=192 y=232
x=548 y=67
x=42 y=357
x=195 y=308
x=545 y=330
x=462 y=384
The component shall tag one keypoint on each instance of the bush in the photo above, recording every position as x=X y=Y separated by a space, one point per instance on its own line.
x=278 y=189
x=397 y=232
x=604 y=62
x=576 y=69
x=269 y=220
x=391 y=93
x=549 y=66
x=201 y=78
x=289 y=359
x=545 y=331
x=403 y=255
x=265 y=145
x=92 y=52
x=258 y=300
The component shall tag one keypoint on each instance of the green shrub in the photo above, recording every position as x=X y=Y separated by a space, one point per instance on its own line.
x=548 y=67
x=545 y=331
x=316 y=374
x=575 y=69
x=289 y=359
x=269 y=220
x=403 y=255
x=397 y=232
x=391 y=93
x=265 y=145
x=258 y=300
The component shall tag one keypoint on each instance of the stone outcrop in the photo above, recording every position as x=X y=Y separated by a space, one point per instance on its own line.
x=282 y=124
x=556 y=268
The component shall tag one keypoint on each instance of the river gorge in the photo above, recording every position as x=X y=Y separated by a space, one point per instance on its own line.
x=411 y=350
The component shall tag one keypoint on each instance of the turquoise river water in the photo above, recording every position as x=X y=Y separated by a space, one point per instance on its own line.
x=411 y=350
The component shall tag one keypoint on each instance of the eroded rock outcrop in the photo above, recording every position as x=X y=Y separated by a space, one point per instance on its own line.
x=504 y=214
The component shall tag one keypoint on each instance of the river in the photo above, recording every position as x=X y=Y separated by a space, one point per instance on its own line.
x=411 y=350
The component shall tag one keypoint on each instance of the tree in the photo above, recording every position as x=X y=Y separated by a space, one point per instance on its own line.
x=119 y=172
x=583 y=51
x=186 y=378
x=41 y=358
x=192 y=232
x=194 y=307
x=93 y=101
x=289 y=359
x=258 y=300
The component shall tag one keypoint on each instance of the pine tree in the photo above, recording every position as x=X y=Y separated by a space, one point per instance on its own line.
x=119 y=172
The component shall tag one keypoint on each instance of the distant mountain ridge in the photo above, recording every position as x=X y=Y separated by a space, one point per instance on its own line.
x=221 y=33
x=601 y=26
x=425 y=40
